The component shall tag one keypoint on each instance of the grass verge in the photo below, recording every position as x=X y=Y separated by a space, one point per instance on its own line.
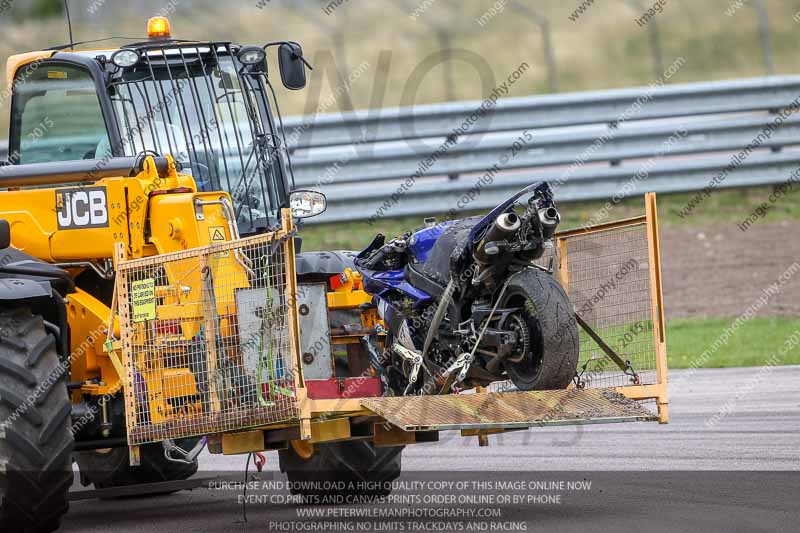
x=753 y=344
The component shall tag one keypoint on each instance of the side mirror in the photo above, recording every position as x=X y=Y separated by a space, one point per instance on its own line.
x=293 y=69
x=306 y=204
x=5 y=234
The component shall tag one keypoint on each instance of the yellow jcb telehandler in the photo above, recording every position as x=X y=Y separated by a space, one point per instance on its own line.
x=154 y=301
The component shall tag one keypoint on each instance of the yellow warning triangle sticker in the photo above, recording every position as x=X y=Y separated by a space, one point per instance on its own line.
x=217 y=233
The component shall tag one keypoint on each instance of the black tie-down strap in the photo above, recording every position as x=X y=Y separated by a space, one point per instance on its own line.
x=624 y=365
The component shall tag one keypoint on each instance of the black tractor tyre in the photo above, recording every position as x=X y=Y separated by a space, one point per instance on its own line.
x=35 y=426
x=340 y=470
x=552 y=360
x=111 y=467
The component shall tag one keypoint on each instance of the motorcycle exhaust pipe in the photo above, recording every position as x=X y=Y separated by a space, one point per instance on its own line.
x=549 y=218
x=508 y=222
x=502 y=228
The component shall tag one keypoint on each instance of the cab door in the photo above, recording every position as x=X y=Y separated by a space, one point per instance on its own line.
x=56 y=115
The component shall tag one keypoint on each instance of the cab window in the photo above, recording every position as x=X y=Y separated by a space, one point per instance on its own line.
x=56 y=115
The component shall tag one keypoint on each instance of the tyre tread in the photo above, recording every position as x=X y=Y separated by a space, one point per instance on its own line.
x=38 y=441
x=351 y=461
x=559 y=330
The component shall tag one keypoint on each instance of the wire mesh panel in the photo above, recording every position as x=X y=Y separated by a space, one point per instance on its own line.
x=608 y=278
x=206 y=341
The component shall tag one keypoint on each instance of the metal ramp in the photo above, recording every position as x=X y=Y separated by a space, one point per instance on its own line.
x=508 y=409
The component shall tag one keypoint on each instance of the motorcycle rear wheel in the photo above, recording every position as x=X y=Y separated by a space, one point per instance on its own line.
x=551 y=359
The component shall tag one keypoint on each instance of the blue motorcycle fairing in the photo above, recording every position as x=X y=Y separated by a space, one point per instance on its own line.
x=422 y=241
x=379 y=283
x=420 y=245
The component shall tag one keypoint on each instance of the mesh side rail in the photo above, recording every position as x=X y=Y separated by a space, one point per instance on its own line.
x=611 y=273
x=607 y=274
x=206 y=342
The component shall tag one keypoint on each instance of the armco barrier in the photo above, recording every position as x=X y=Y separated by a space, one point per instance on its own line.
x=593 y=145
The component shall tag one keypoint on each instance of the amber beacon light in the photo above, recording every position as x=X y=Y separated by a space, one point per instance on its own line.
x=158 y=28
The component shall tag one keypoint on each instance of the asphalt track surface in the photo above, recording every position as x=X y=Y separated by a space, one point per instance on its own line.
x=729 y=460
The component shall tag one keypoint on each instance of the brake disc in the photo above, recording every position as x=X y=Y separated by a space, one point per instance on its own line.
x=518 y=325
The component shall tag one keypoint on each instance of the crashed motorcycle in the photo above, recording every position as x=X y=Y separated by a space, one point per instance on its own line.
x=465 y=303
